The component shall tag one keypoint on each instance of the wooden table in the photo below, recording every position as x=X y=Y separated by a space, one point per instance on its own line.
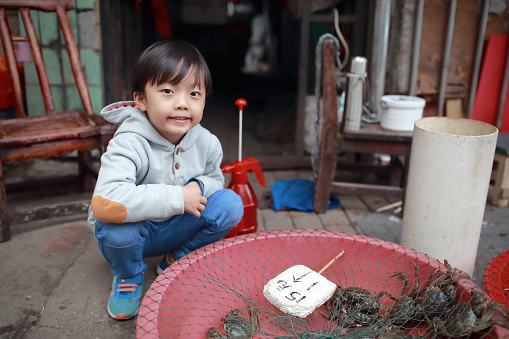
x=371 y=138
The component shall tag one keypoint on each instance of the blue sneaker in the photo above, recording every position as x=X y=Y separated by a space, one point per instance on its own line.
x=165 y=263
x=125 y=297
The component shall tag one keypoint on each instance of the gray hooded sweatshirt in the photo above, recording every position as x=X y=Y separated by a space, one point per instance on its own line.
x=142 y=173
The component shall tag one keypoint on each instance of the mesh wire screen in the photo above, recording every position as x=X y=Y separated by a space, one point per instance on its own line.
x=384 y=291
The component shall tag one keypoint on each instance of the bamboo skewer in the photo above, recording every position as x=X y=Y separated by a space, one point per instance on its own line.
x=331 y=262
x=388 y=207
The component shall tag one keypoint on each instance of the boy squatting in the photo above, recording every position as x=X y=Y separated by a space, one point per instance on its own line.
x=160 y=189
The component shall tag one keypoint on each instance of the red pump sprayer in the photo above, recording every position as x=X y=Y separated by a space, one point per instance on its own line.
x=240 y=184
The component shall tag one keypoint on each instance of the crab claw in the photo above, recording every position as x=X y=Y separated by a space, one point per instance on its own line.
x=213 y=333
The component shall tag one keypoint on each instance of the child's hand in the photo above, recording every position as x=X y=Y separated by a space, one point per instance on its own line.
x=194 y=202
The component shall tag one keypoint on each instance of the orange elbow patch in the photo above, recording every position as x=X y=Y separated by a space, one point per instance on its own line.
x=108 y=211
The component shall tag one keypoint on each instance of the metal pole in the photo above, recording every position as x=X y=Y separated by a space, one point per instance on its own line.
x=379 y=53
x=478 y=55
x=303 y=76
x=240 y=134
x=445 y=63
x=417 y=45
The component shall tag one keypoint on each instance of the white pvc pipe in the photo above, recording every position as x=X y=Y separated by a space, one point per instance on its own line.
x=448 y=181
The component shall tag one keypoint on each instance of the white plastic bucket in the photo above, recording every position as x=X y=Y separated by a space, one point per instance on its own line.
x=399 y=112
x=448 y=181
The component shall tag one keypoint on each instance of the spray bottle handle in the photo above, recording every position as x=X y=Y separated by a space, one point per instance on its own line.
x=254 y=165
x=239 y=170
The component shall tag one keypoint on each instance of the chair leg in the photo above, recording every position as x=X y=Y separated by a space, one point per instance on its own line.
x=87 y=176
x=501 y=184
x=5 y=233
x=106 y=138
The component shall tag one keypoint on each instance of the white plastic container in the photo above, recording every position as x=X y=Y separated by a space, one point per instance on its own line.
x=399 y=112
x=448 y=181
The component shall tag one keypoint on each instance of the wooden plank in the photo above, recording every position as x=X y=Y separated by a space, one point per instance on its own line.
x=49 y=150
x=35 y=48
x=329 y=129
x=343 y=188
x=50 y=211
x=43 y=183
x=74 y=58
x=373 y=131
x=374 y=202
x=453 y=108
x=272 y=162
x=375 y=146
x=305 y=174
x=46 y=5
x=8 y=48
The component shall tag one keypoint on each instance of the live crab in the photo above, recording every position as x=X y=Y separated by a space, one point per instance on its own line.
x=353 y=306
x=468 y=317
x=433 y=299
x=236 y=325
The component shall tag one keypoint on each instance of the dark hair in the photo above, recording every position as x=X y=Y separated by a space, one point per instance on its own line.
x=170 y=61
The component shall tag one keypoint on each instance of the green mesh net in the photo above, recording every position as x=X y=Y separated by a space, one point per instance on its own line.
x=384 y=290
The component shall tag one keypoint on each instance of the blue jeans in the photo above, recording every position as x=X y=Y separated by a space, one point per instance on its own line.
x=125 y=245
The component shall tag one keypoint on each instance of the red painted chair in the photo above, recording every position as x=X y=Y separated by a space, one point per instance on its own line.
x=53 y=133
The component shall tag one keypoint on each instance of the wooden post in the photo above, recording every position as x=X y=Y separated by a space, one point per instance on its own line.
x=5 y=231
x=329 y=129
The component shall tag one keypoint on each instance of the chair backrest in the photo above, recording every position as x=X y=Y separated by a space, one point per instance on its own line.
x=14 y=44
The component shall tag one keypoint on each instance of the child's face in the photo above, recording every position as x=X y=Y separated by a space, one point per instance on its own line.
x=172 y=109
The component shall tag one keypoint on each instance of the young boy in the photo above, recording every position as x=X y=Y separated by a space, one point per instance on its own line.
x=160 y=186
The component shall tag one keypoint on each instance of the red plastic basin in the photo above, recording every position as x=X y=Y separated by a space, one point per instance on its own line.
x=196 y=292
x=496 y=278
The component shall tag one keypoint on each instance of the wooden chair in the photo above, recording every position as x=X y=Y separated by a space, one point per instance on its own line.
x=370 y=139
x=54 y=133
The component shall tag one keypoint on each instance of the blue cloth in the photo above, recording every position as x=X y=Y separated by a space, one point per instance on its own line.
x=297 y=194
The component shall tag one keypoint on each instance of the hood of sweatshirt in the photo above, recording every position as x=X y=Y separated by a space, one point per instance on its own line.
x=131 y=119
